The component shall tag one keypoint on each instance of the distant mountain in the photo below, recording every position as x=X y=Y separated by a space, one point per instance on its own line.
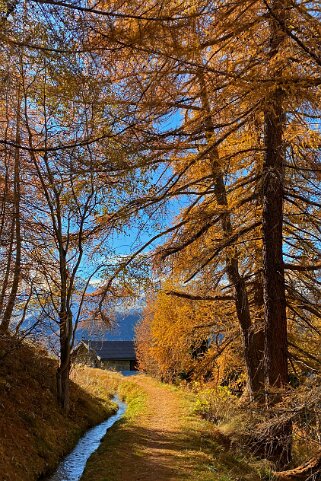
x=124 y=329
x=126 y=318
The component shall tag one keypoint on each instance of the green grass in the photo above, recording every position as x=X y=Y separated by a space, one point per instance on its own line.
x=134 y=397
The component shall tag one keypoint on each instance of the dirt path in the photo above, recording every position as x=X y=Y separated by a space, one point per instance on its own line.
x=159 y=439
x=159 y=434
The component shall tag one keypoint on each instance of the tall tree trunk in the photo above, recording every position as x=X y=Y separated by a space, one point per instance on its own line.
x=5 y=281
x=253 y=337
x=65 y=323
x=276 y=348
x=7 y=315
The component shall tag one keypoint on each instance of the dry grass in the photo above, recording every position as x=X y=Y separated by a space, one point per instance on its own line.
x=253 y=428
x=34 y=433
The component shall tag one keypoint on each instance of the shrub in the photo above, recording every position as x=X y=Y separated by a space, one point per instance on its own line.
x=217 y=405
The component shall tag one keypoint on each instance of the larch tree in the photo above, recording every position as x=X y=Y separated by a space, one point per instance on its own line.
x=180 y=79
x=250 y=78
x=233 y=97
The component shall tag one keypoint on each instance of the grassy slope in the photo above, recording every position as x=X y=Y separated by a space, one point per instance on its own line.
x=34 y=434
x=161 y=438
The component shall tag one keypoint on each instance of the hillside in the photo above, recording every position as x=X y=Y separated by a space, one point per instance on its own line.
x=34 y=433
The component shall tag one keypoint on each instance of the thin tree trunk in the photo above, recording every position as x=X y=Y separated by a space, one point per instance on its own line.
x=65 y=324
x=253 y=339
x=5 y=282
x=63 y=371
x=17 y=229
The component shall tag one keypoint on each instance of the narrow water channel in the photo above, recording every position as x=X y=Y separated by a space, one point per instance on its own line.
x=72 y=467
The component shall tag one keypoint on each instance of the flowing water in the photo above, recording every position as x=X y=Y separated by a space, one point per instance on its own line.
x=73 y=465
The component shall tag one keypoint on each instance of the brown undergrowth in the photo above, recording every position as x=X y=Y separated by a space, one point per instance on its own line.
x=254 y=427
x=34 y=433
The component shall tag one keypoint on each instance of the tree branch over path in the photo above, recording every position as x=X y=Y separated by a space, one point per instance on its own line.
x=193 y=297
x=297 y=267
x=161 y=18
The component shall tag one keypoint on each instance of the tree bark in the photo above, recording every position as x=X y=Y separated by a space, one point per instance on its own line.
x=275 y=321
x=276 y=349
x=17 y=229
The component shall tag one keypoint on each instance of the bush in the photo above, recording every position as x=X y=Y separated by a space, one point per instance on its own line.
x=217 y=405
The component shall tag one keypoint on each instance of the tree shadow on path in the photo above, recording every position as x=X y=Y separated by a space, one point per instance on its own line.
x=135 y=453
